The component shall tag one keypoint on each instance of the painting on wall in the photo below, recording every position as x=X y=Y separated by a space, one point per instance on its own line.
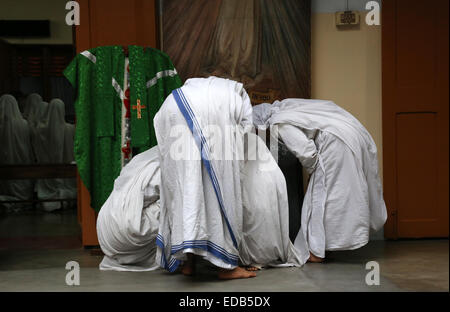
x=264 y=44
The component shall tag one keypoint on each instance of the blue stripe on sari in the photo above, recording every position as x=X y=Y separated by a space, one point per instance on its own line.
x=206 y=245
x=200 y=139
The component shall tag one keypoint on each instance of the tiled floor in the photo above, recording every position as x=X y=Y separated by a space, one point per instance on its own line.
x=35 y=247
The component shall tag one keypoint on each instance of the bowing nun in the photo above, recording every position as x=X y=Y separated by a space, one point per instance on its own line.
x=128 y=222
x=344 y=199
x=201 y=203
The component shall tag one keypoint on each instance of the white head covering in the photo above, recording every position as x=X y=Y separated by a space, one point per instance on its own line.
x=262 y=114
x=55 y=128
x=38 y=113
x=229 y=96
x=49 y=139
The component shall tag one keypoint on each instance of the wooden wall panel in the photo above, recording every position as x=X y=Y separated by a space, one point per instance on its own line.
x=417 y=170
x=110 y=22
x=5 y=67
x=115 y=22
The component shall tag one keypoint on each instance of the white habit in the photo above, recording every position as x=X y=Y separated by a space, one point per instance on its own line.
x=128 y=221
x=265 y=228
x=344 y=199
x=32 y=107
x=201 y=202
x=53 y=141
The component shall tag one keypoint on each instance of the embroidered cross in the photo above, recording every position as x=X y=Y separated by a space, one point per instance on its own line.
x=126 y=150
x=139 y=107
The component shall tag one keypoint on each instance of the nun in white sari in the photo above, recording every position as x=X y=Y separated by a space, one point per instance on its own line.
x=265 y=229
x=201 y=201
x=39 y=115
x=32 y=107
x=344 y=199
x=53 y=142
x=240 y=217
x=128 y=222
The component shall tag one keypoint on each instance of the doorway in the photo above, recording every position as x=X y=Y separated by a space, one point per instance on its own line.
x=415 y=117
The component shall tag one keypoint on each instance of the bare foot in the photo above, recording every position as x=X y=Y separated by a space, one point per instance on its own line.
x=187 y=270
x=252 y=268
x=236 y=273
x=188 y=267
x=315 y=259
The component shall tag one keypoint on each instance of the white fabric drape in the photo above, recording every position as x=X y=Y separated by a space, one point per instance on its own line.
x=128 y=222
x=15 y=148
x=344 y=198
x=265 y=228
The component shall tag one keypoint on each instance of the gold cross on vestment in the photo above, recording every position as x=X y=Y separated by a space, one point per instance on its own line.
x=139 y=107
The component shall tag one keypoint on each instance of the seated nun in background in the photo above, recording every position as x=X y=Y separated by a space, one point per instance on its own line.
x=15 y=149
x=32 y=106
x=37 y=116
x=128 y=223
x=344 y=199
x=53 y=142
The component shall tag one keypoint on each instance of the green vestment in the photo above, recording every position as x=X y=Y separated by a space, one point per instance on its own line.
x=98 y=75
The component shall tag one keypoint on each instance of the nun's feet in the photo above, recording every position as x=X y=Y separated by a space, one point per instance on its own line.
x=315 y=259
x=187 y=270
x=188 y=267
x=252 y=268
x=236 y=273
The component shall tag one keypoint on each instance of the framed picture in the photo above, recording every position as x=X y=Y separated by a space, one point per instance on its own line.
x=264 y=44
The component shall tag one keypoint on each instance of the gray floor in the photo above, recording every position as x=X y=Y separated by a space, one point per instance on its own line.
x=35 y=247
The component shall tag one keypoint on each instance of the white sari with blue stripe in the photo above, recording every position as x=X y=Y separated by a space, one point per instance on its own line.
x=201 y=201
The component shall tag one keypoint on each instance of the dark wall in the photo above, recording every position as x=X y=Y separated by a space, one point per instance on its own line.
x=5 y=67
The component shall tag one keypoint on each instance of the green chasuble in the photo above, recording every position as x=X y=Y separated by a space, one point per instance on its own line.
x=98 y=77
